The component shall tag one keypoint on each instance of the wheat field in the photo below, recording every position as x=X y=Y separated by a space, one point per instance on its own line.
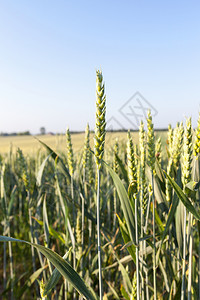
x=101 y=215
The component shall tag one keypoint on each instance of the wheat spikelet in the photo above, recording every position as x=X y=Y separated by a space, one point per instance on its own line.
x=137 y=163
x=132 y=170
x=150 y=142
x=158 y=150
x=116 y=152
x=42 y=289
x=170 y=138
x=197 y=139
x=175 y=154
x=134 y=287
x=100 y=125
x=143 y=183
x=177 y=143
x=24 y=169
x=90 y=169
x=78 y=235
x=70 y=155
x=85 y=158
x=187 y=153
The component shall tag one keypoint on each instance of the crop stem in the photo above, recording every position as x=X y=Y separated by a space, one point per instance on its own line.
x=98 y=235
x=154 y=238
x=137 y=251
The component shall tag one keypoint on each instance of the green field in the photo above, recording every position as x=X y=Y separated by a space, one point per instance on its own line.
x=52 y=201
x=84 y=223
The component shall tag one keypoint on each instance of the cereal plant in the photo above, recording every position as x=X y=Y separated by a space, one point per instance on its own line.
x=119 y=222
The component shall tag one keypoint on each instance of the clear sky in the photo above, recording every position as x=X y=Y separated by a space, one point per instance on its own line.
x=50 y=50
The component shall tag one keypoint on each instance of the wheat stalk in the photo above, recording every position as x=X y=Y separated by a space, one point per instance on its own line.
x=99 y=140
x=151 y=161
x=186 y=177
x=132 y=173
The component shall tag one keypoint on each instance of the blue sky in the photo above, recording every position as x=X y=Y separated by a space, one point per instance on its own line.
x=50 y=51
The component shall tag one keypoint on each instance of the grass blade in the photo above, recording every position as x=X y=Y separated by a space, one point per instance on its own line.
x=125 y=203
x=63 y=267
x=184 y=199
x=55 y=276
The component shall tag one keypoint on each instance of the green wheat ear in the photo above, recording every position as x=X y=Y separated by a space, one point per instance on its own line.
x=70 y=155
x=100 y=131
x=23 y=168
x=143 y=183
x=86 y=145
x=158 y=149
x=187 y=153
x=90 y=169
x=132 y=169
x=197 y=139
x=78 y=235
x=116 y=152
x=86 y=150
x=170 y=138
x=134 y=286
x=42 y=288
x=175 y=154
x=177 y=143
x=150 y=142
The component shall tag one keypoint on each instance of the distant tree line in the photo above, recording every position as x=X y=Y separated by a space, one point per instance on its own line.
x=15 y=133
x=27 y=132
x=43 y=132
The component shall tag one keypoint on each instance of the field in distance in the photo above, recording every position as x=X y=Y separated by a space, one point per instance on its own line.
x=30 y=145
